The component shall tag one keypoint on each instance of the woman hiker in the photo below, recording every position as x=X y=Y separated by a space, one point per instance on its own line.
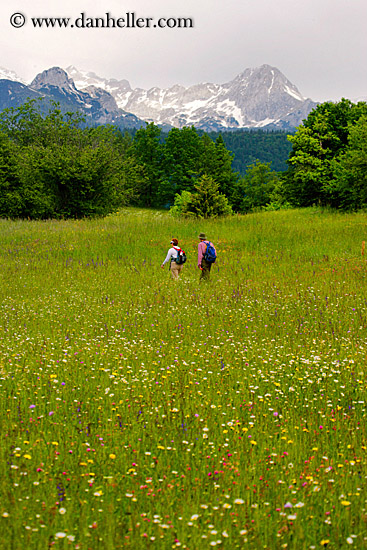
x=171 y=258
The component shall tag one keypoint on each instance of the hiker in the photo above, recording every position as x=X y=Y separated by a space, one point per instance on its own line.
x=206 y=257
x=171 y=257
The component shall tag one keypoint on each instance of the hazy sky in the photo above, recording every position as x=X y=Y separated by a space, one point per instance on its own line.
x=320 y=45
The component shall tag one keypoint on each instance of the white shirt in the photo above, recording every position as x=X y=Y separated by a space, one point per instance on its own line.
x=171 y=254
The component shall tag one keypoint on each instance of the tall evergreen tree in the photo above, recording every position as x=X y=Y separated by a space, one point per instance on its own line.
x=10 y=198
x=223 y=172
x=206 y=200
x=187 y=156
x=148 y=151
x=182 y=158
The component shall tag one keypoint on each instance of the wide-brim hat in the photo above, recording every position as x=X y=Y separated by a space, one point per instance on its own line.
x=202 y=236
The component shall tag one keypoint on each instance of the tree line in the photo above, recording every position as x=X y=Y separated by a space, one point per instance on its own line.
x=54 y=166
x=251 y=145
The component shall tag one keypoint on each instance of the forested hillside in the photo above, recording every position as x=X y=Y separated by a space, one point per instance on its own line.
x=247 y=146
x=54 y=166
x=251 y=145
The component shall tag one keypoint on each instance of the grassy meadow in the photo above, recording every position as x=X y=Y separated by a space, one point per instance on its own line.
x=138 y=412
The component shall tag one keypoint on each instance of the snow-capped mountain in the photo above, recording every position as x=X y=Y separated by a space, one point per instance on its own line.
x=257 y=98
x=83 y=79
x=95 y=101
x=97 y=105
x=5 y=74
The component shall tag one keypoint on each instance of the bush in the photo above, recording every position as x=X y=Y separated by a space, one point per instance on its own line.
x=181 y=204
x=50 y=167
x=205 y=202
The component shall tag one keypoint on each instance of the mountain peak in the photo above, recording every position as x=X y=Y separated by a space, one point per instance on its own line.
x=83 y=79
x=6 y=74
x=53 y=77
x=255 y=98
x=260 y=97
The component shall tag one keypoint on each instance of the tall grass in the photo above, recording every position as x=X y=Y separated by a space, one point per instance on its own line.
x=138 y=412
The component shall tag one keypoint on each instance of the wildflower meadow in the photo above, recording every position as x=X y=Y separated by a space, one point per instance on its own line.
x=139 y=412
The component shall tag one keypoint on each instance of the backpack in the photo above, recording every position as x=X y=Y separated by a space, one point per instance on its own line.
x=210 y=254
x=181 y=256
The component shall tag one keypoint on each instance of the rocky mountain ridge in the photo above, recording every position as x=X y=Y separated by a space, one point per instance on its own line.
x=97 y=105
x=256 y=98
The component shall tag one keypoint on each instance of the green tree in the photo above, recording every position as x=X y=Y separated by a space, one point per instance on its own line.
x=181 y=204
x=255 y=189
x=148 y=151
x=37 y=122
x=315 y=146
x=350 y=168
x=249 y=145
x=10 y=198
x=61 y=169
x=310 y=168
x=181 y=161
x=188 y=155
x=23 y=125
x=82 y=173
x=223 y=172
x=206 y=201
x=335 y=119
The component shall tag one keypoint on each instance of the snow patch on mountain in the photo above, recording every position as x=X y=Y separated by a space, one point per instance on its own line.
x=83 y=79
x=6 y=74
x=259 y=97
x=256 y=98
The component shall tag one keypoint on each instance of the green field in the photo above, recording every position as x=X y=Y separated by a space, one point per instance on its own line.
x=141 y=413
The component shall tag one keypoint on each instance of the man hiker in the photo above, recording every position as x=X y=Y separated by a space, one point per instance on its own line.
x=206 y=256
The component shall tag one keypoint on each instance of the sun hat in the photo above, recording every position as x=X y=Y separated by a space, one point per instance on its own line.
x=202 y=236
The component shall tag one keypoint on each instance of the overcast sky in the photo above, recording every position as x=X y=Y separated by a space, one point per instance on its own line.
x=320 y=45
